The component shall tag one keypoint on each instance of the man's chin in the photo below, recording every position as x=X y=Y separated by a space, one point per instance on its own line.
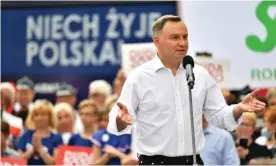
x=180 y=55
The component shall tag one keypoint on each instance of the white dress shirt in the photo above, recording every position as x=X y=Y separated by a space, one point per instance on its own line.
x=159 y=105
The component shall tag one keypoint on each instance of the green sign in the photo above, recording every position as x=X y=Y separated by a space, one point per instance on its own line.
x=254 y=42
x=263 y=74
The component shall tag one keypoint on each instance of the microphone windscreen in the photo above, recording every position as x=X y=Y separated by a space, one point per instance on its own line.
x=188 y=60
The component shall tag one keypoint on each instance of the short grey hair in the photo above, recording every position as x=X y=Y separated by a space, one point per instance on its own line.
x=100 y=86
x=160 y=22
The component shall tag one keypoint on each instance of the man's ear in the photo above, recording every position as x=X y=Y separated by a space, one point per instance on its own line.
x=156 y=41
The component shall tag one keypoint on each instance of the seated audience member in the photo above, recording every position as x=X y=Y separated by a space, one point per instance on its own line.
x=219 y=147
x=89 y=117
x=109 y=149
x=68 y=94
x=269 y=138
x=99 y=90
x=246 y=147
x=64 y=116
x=5 y=150
x=39 y=144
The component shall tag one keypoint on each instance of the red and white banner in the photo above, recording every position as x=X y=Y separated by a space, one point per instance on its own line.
x=73 y=155
x=16 y=123
x=7 y=161
x=134 y=55
x=218 y=69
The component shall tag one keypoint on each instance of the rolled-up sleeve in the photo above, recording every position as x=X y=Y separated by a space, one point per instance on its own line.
x=129 y=98
x=215 y=109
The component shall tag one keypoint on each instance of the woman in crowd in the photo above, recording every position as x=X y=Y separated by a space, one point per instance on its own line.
x=39 y=144
x=246 y=147
x=89 y=117
x=109 y=149
x=64 y=115
x=269 y=137
x=271 y=97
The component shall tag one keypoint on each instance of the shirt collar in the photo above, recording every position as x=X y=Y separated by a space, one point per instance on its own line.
x=157 y=63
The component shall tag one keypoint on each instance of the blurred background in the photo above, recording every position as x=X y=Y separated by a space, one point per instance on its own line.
x=67 y=52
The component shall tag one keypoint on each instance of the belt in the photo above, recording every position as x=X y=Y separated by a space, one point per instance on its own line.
x=172 y=160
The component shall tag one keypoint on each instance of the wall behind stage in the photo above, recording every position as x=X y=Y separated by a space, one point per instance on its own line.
x=75 y=44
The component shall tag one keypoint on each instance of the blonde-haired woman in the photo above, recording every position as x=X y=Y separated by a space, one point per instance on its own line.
x=39 y=144
x=64 y=116
x=246 y=147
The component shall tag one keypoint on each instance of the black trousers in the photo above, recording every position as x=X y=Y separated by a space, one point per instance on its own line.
x=164 y=160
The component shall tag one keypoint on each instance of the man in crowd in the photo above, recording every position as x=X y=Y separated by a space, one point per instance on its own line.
x=219 y=147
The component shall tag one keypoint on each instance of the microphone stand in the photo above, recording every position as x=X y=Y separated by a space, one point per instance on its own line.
x=191 y=86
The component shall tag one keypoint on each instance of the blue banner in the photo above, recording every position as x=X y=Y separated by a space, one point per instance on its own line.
x=81 y=40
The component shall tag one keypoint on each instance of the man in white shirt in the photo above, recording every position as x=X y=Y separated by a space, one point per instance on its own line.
x=155 y=98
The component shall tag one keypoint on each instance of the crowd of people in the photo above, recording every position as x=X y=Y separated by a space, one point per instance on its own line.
x=46 y=126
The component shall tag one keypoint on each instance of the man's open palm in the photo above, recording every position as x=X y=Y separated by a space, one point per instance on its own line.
x=251 y=104
x=124 y=114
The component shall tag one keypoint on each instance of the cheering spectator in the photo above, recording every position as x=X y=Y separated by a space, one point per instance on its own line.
x=246 y=147
x=64 y=115
x=39 y=144
x=89 y=118
x=99 y=90
x=219 y=147
x=5 y=150
x=109 y=149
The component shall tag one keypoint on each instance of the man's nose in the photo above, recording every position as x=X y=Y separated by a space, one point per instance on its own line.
x=182 y=42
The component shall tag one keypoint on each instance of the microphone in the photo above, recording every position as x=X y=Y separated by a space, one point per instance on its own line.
x=188 y=64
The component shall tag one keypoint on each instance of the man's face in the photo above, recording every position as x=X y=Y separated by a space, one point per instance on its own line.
x=98 y=98
x=172 y=41
x=88 y=116
x=71 y=100
x=25 y=96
